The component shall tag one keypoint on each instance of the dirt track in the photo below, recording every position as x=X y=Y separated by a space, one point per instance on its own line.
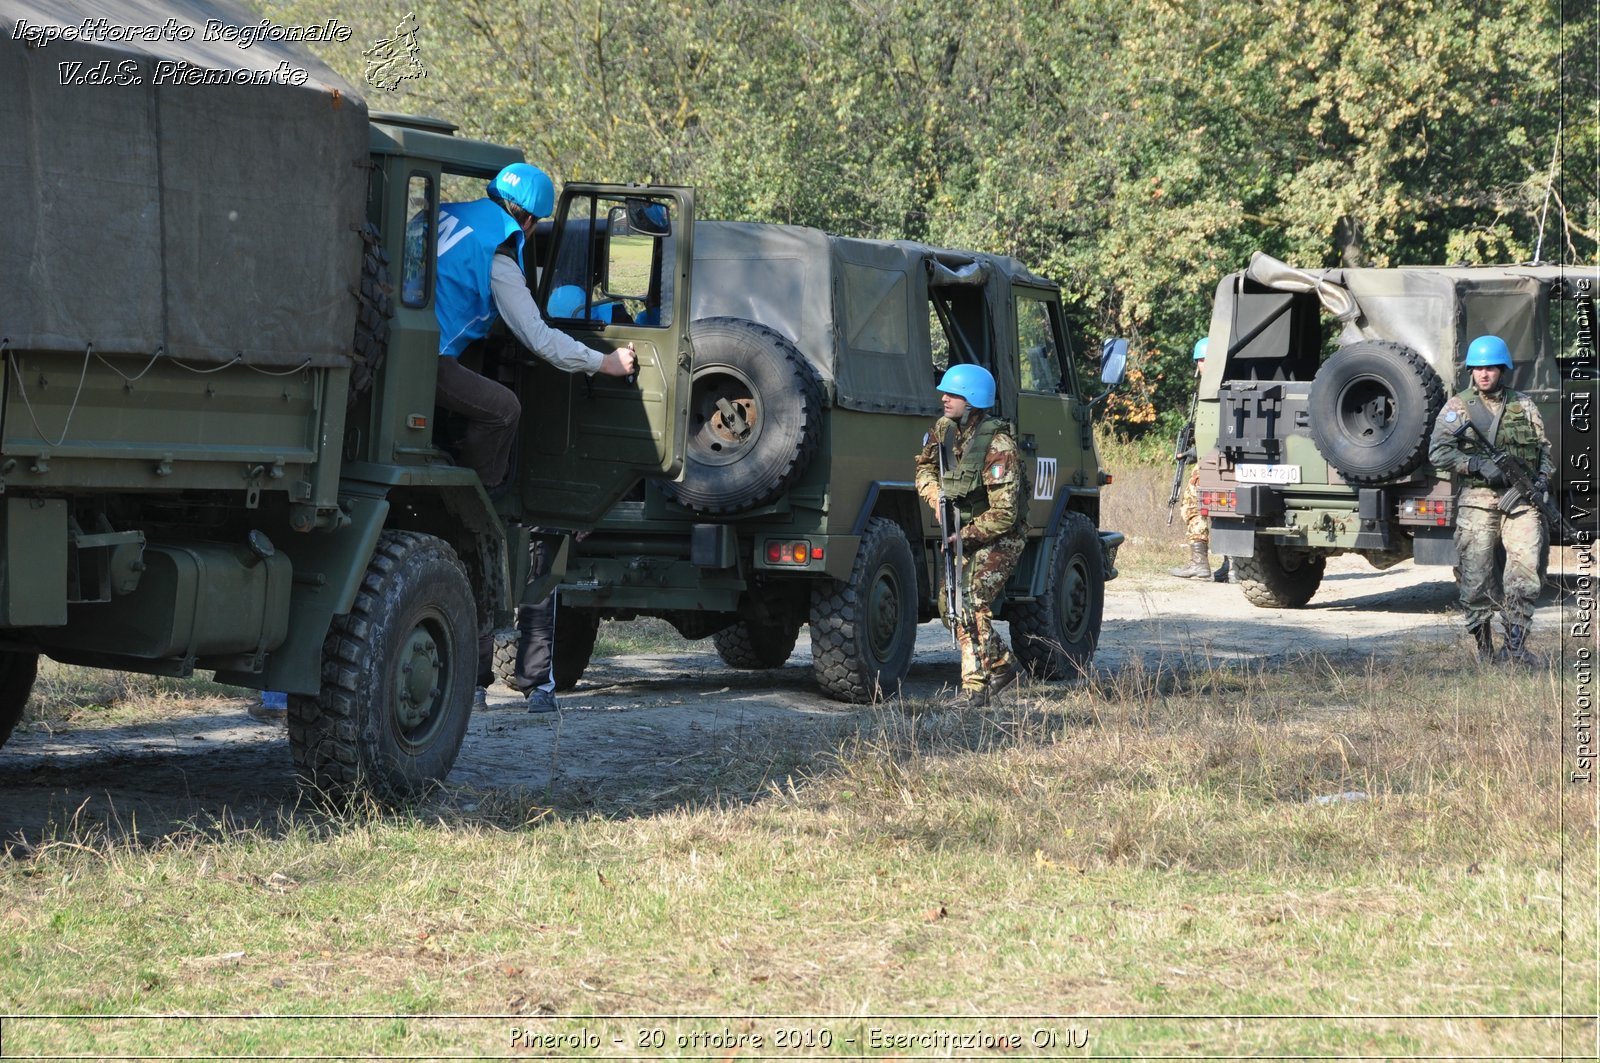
x=642 y=729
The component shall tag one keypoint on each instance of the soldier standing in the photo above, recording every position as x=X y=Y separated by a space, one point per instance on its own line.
x=985 y=484
x=1195 y=524
x=1486 y=515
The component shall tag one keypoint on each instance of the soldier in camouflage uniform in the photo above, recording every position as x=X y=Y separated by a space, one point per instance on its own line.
x=1485 y=515
x=985 y=483
x=1196 y=526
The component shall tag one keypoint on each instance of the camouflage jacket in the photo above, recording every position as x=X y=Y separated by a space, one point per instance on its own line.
x=1516 y=428
x=987 y=493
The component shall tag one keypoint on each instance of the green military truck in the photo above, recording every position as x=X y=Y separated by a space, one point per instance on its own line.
x=816 y=359
x=218 y=441
x=1313 y=426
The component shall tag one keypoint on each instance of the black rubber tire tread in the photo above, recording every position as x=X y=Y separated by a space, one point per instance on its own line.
x=17 y=673
x=576 y=630
x=1388 y=372
x=376 y=307
x=1277 y=578
x=342 y=740
x=1056 y=635
x=755 y=647
x=884 y=576
x=788 y=397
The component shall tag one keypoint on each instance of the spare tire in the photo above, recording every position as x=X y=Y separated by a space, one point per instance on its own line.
x=376 y=299
x=755 y=416
x=1372 y=407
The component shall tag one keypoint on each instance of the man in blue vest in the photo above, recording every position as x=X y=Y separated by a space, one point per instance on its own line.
x=481 y=280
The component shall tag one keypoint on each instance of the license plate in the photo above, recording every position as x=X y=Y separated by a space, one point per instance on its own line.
x=1267 y=474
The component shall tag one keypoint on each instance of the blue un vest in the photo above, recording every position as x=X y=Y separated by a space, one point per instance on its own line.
x=468 y=236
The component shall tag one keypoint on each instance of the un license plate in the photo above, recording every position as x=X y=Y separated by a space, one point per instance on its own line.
x=1267 y=474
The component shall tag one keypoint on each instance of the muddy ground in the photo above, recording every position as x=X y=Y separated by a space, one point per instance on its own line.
x=644 y=731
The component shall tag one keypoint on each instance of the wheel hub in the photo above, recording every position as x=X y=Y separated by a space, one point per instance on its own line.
x=883 y=614
x=418 y=681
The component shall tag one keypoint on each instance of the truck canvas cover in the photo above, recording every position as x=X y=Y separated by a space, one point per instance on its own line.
x=206 y=221
x=857 y=309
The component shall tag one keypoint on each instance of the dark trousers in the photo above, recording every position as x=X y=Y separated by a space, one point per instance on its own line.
x=492 y=412
x=536 y=637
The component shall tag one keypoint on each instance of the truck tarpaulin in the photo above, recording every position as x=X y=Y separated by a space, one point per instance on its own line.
x=176 y=180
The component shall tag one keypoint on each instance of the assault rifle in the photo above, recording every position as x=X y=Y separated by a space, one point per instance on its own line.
x=950 y=546
x=1183 y=452
x=1523 y=486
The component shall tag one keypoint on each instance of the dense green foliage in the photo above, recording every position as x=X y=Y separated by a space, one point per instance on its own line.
x=1134 y=152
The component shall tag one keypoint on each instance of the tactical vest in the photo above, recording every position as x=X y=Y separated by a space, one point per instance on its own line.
x=1514 y=433
x=964 y=484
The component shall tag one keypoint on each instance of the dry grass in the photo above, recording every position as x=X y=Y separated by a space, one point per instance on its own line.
x=1146 y=845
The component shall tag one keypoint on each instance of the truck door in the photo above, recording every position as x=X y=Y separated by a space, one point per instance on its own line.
x=616 y=271
x=1052 y=421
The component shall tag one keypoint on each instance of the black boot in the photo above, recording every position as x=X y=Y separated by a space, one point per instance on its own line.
x=1224 y=572
x=1516 y=651
x=1483 y=635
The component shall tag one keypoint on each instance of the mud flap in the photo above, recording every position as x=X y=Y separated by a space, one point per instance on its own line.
x=1231 y=537
x=1434 y=546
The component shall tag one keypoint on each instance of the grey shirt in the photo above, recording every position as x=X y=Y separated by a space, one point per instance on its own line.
x=515 y=304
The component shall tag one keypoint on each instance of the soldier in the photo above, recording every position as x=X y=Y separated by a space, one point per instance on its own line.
x=481 y=281
x=985 y=483
x=1485 y=517
x=1195 y=523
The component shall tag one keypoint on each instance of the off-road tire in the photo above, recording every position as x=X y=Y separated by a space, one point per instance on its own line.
x=863 y=631
x=1056 y=635
x=1278 y=577
x=576 y=630
x=17 y=673
x=751 y=370
x=1372 y=408
x=398 y=673
x=754 y=646
x=375 y=307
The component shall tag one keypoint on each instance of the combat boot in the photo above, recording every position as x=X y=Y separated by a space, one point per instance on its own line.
x=1483 y=635
x=970 y=698
x=1516 y=651
x=1199 y=566
x=1224 y=573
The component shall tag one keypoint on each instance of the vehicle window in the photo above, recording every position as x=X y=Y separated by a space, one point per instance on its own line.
x=1036 y=342
x=938 y=343
x=608 y=261
x=417 y=261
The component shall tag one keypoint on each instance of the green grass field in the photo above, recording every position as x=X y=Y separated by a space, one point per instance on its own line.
x=1137 y=868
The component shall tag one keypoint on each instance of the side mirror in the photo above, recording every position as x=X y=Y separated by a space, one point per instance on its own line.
x=1113 y=366
x=648 y=218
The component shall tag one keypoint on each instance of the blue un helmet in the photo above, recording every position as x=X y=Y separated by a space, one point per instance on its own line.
x=527 y=186
x=566 y=301
x=1488 y=350
x=971 y=382
x=1200 y=346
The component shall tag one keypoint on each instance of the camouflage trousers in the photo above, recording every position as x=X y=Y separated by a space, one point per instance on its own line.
x=986 y=570
x=1483 y=586
x=1195 y=524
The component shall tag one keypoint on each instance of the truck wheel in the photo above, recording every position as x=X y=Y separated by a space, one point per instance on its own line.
x=576 y=630
x=1279 y=577
x=1056 y=635
x=756 y=646
x=17 y=673
x=1372 y=407
x=398 y=672
x=863 y=631
x=376 y=307
x=755 y=415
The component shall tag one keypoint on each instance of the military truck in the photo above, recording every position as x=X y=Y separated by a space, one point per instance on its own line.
x=1313 y=426
x=218 y=441
x=815 y=364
